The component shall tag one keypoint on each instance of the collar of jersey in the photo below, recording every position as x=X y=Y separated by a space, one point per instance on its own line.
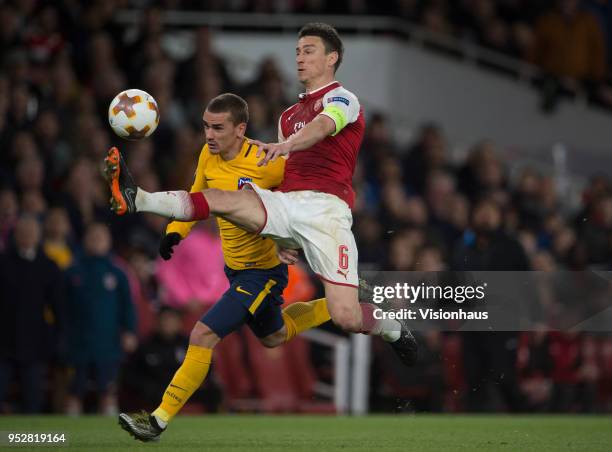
x=304 y=96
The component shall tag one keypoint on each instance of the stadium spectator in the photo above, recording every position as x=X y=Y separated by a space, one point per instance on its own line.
x=9 y=212
x=597 y=233
x=398 y=211
x=483 y=173
x=56 y=243
x=152 y=365
x=439 y=192
x=204 y=56
x=402 y=248
x=22 y=147
x=82 y=197
x=53 y=148
x=261 y=123
x=425 y=155
x=377 y=143
x=30 y=175
x=369 y=235
x=602 y=11
x=184 y=159
x=490 y=357
x=570 y=47
x=101 y=321
x=31 y=316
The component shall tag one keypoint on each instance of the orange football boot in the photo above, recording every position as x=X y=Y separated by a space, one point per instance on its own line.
x=122 y=186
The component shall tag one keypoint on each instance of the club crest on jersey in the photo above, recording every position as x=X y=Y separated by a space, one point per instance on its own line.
x=344 y=100
x=317 y=105
x=242 y=181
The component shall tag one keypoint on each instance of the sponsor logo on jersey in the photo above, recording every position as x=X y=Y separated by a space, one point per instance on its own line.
x=318 y=104
x=242 y=181
x=298 y=125
x=344 y=100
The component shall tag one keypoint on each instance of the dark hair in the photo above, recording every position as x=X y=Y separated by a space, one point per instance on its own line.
x=235 y=105
x=329 y=35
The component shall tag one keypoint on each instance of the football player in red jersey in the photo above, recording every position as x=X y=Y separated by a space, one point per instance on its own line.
x=320 y=136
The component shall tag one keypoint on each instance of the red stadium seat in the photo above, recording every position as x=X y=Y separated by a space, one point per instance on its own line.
x=605 y=380
x=454 y=376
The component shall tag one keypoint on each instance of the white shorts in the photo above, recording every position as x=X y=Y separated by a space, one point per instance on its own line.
x=320 y=224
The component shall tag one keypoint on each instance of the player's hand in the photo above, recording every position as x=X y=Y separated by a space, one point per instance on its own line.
x=167 y=243
x=272 y=151
x=287 y=256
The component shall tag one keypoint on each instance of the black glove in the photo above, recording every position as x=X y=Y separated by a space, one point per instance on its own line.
x=166 y=244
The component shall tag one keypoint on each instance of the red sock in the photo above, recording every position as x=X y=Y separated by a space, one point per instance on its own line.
x=368 y=322
x=201 y=210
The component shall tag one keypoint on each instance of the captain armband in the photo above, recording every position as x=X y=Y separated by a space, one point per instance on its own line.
x=338 y=116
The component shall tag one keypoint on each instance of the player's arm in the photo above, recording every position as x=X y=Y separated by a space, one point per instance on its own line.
x=178 y=230
x=313 y=132
x=341 y=109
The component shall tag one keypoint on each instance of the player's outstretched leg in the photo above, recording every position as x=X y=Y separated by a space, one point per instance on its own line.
x=242 y=207
x=141 y=426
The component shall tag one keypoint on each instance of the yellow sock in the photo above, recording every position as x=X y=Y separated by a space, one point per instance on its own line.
x=185 y=382
x=302 y=316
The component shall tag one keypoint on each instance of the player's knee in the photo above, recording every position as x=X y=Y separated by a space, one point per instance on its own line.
x=202 y=336
x=273 y=340
x=347 y=319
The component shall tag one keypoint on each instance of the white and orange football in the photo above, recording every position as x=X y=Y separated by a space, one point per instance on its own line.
x=133 y=114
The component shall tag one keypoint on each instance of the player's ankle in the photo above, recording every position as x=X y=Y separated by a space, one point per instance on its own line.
x=390 y=336
x=159 y=422
x=141 y=199
x=160 y=417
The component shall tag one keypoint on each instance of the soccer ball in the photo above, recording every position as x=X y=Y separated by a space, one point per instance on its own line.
x=133 y=114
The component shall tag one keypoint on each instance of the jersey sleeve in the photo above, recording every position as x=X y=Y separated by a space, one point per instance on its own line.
x=281 y=137
x=341 y=106
x=199 y=184
x=275 y=172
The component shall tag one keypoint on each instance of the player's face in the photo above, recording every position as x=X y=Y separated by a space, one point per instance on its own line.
x=221 y=133
x=311 y=59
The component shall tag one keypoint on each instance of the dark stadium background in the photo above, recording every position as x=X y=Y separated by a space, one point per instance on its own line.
x=62 y=62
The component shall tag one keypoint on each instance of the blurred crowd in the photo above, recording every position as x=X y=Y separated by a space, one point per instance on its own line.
x=570 y=41
x=86 y=307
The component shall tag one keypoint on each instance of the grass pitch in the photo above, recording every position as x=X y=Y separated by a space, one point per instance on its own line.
x=327 y=433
